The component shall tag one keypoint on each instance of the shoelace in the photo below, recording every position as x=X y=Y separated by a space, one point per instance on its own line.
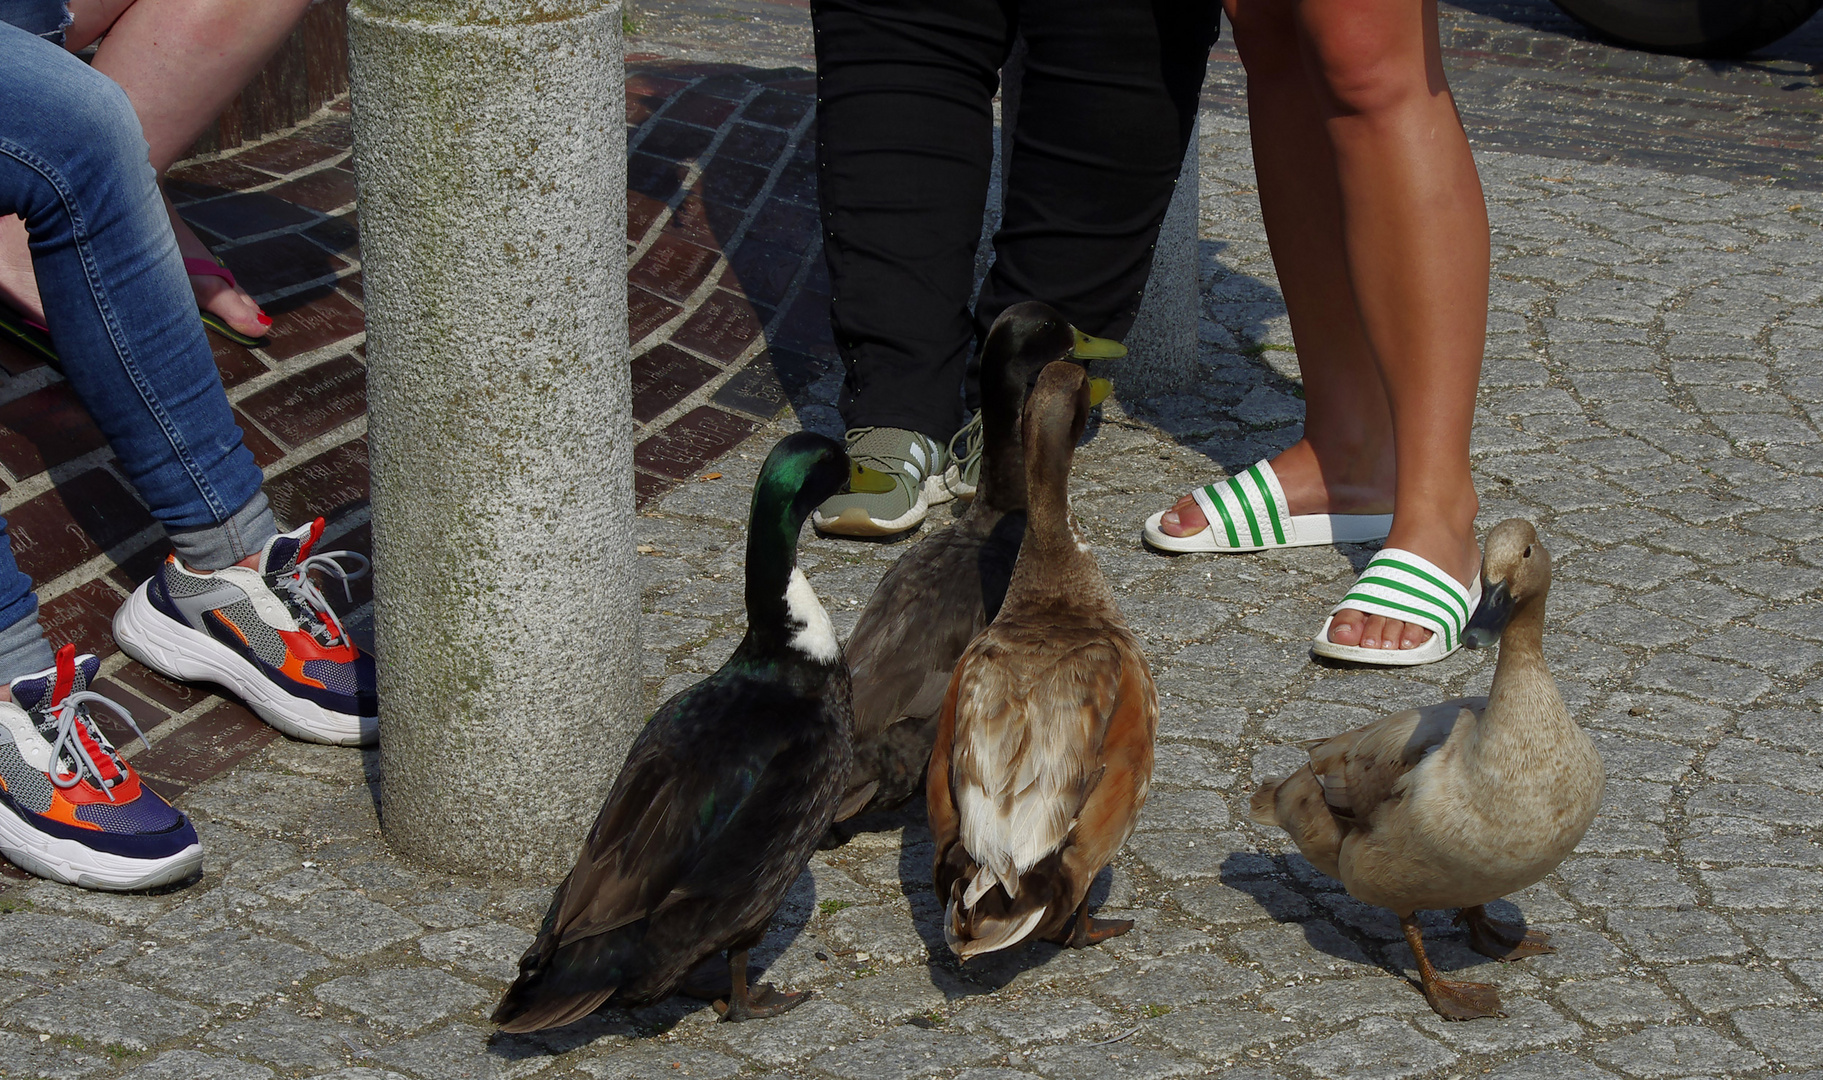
x=972 y=441
x=308 y=603
x=71 y=725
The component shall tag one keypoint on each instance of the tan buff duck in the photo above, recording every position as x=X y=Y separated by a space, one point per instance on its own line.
x=1460 y=803
x=1043 y=752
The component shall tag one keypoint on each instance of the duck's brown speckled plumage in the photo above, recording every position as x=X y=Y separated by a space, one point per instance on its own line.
x=1043 y=752
x=939 y=595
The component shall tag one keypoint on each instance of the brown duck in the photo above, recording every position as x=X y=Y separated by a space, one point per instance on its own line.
x=1459 y=803
x=941 y=593
x=1043 y=752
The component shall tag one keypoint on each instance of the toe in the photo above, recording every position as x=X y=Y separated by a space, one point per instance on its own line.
x=1183 y=519
x=1411 y=635
x=1345 y=627
x=232 y=304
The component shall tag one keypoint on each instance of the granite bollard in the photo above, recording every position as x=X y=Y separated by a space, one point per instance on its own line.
x=490 y=150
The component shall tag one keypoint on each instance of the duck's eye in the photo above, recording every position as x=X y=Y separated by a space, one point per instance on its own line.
x=1528 y=552
x=1049 y=326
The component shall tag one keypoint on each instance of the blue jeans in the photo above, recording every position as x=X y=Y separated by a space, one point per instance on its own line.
x=122 y=315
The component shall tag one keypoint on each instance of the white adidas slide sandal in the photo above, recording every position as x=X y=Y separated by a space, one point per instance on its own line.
x=1410 y=588
x=1249 y=513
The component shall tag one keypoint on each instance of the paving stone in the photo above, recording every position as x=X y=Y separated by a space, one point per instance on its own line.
x=653 y=1062
x=37 y=944
x=339 y=923
x=1790 y=1037
x=1549 y=1065
x=1676 y=936
x=1625 y=882
x=1177 y=980
x=808 y=1029
x=1529 y=1024
x=1626 y=1000
x=904 y=1051
x=190 y=1065
x=1797 y=935
x=1723 y=987
x=462 y=1052
x=1580 y=953
x=227 y=967
x=1109 y=1063
x=1377 y=1047
x=1676 y=1051
x=283 y=1038
x=113 y=1013
x=892 y=995
x=1030 y=1020
x=42 y=1060
x=491 y=949
x=406 y=999
x=1313 y=948
x=1761 y=802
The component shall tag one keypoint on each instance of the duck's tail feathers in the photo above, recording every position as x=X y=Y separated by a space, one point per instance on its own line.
x=560 y=985
x=549 y=1014
x=985 y=915
x=1263 y=808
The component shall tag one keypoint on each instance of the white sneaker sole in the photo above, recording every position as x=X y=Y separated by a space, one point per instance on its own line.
x=171 y=648
x=855 y=521
x=77 y=864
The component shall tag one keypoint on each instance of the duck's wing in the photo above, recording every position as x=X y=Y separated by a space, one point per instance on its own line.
x=1111 y=808
x=664 y=819
x=1360 y=770
x=904 y=648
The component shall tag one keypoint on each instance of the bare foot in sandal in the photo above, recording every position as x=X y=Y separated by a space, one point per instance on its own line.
x=231 y=303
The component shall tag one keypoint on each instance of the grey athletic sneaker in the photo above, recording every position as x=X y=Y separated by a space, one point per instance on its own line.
x=964 y=473
x=895 y=477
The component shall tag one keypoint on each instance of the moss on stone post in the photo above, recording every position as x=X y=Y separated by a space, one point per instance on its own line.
x=490 y=147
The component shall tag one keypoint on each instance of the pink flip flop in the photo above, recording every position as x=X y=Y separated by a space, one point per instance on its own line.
x=197 y=267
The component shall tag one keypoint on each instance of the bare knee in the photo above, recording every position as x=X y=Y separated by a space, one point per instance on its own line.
x=1368 y=66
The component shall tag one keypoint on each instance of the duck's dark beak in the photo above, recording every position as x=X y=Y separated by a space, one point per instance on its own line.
x=1095 y=348
x=1488 y=620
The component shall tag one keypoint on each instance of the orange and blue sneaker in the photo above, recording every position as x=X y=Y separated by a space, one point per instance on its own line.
x=266 y=634
x=71 y=809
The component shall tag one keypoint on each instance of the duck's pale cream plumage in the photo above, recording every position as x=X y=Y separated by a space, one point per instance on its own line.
x=1459 y=803
x=1043 y=752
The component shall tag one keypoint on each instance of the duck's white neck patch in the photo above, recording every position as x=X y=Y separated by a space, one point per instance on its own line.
x=815 y=638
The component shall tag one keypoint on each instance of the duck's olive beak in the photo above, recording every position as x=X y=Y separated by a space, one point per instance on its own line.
x=1488 y=620
x=871 y=481
x=1095 y=348
x=1099 y=389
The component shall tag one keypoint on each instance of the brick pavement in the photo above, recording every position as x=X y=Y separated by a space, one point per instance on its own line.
x=1651 y=398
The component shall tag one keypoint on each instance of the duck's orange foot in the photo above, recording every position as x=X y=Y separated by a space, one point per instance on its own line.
x=1502 y=941
x=1462 y=1000
x=1089 y=931
x=759 y=1002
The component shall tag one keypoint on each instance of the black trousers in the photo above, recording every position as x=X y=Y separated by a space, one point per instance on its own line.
x=905 y=135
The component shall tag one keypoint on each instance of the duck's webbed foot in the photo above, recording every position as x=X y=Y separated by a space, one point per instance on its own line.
x=1086 y=931
x=1462 y=1000
x=1450 y=1000
x=754 y=1002
x=1502 y=941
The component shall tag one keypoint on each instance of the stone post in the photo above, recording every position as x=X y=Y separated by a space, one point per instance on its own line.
x=490 y=149
x=1162 y=345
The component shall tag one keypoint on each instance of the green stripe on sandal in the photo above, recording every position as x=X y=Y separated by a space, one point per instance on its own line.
x=1400 y=585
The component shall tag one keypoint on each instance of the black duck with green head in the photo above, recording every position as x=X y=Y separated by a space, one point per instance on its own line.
x=722 y=798
x=943 y=591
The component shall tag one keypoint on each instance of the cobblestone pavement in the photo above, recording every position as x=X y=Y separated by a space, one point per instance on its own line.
x=1652 y=397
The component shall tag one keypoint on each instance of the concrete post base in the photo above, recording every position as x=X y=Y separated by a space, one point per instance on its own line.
x=1162 y=345
x=491 y=154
